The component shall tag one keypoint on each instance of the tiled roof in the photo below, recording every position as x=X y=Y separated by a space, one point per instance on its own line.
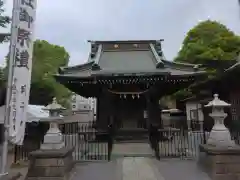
x=105 y=59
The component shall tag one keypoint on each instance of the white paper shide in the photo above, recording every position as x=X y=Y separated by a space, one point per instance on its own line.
x=21 y=53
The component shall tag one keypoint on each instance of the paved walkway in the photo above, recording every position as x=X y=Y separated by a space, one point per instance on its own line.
x=175 y=169
x=140 y=168
x=131 y=149
x=96 y=171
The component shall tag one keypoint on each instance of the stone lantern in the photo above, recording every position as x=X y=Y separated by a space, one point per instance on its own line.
x=219 y=135
x=220 y=156
x=53 y=160
x=53 y=138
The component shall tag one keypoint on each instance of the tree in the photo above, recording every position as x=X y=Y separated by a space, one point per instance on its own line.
x=47 y=58
x=209 y=40
x=211 y=44
x=4 y=21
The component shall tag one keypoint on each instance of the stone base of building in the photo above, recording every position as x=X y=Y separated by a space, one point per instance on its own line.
x=11 y=176
x=220 y=163
x=50 y=164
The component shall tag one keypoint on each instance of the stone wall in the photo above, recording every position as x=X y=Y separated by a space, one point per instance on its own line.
x=226 y=166
x=220 y=164
x=12 y=176
x=50 y=164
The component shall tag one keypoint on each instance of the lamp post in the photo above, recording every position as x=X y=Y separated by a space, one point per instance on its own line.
x=219 y=135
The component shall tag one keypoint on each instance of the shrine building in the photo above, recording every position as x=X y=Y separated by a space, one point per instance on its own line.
x=128 y=78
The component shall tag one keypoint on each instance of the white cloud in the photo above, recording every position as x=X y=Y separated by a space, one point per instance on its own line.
x=71 y=24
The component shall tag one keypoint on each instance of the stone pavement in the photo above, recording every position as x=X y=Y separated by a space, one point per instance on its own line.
x=140 y=168
x=129 y=168
x=176 y=169
x=96 y=171
x=131 y=149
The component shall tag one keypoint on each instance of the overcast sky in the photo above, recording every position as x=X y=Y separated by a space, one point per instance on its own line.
x=72 y=24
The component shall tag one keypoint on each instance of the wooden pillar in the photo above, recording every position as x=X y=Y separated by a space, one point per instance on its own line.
x=109 y=107
x=114 y=111
x=105 y=111
x=153 y=108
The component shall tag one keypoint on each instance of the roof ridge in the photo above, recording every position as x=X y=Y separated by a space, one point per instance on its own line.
x=155 y=54
x=65 y=68
x=233 y=67
x=184 y=64
x=98 y=54
x=125 y=41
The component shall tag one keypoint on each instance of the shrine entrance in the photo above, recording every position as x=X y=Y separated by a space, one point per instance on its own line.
x=128 y=78
x=128 y=118
x=130 y=112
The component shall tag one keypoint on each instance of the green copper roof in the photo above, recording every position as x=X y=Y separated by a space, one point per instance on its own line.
x=127 y=57
x=127 y=60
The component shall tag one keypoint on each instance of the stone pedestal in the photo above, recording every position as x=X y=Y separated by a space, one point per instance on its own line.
x=51 y=164
x=53 y=138
x=220 y=157
x=53 y=161
x=221 y=163
x=11 y=176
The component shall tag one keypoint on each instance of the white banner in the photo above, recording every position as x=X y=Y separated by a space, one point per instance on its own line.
x=21 y=53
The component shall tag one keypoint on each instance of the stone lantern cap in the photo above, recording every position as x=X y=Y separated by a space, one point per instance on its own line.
x=54 y=106
x=216 y=102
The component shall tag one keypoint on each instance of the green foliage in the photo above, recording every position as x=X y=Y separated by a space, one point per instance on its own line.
x=182 y=94
x=4 y=21
x=206 y=42
x=47 y=58
x=209 y=40
x=1 y=77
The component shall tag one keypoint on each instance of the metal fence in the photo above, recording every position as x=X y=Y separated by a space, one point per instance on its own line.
x=181 y=143
x=88 y=143
x=172 y=143
x=91 y=144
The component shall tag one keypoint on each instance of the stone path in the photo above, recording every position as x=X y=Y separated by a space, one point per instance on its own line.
x=96 y=171
x=174 y=169
x=129 y=168
x=131 y=149
x=140 y=168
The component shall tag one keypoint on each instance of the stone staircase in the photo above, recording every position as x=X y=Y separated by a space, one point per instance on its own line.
x=132 y=135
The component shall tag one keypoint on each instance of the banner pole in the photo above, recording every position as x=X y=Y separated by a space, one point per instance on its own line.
x=4 y=156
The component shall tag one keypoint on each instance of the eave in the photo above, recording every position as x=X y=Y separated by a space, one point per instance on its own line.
x=68 y=69
x=124 y=41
